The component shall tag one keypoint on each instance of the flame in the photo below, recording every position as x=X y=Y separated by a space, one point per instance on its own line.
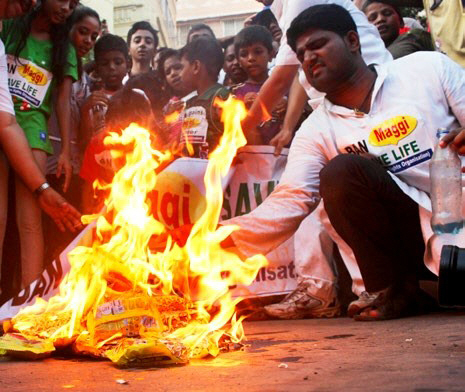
x=177 y=296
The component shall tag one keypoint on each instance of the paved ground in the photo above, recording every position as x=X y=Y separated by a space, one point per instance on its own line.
x=421 y=354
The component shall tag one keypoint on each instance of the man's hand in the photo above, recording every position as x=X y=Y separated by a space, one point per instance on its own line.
x=282 y=139
x=456 y=141
x=62 y=213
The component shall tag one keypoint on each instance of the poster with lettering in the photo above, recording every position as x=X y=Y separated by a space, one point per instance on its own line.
x=180 y=199
x=27 y=80
x=257 y=173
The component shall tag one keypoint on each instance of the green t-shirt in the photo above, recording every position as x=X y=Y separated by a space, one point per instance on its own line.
x=31 y=82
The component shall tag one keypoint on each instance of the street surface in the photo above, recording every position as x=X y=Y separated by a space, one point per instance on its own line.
x=421 y=354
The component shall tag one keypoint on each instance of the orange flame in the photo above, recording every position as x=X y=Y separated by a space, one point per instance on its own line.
x=118 y=270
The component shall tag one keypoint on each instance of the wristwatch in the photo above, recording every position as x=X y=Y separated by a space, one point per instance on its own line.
x=38 y=191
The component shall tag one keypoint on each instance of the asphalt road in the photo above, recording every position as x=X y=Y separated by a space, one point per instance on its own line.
x=421 y=354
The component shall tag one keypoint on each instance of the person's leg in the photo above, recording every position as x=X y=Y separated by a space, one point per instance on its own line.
x=315 y=294
x=29 y=218
x=375 y=218
x=3 y=203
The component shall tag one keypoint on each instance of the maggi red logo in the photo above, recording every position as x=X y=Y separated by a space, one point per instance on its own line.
x=392 y=130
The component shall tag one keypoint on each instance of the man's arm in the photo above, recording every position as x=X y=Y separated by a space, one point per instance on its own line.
x=296 y=196
x=276 y=86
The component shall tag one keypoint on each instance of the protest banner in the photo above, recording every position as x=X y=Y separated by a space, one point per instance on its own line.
x=179 y=197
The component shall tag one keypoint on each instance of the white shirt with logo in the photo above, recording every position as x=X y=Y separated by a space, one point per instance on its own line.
x=413 y=96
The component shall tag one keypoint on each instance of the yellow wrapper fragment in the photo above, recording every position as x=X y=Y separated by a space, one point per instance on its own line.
x=129 y=316
x=16 y=345
x=148 y=353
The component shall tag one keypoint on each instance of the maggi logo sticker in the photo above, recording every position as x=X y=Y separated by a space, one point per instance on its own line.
x=190 y=122
x=392 y=131
x=33 y=75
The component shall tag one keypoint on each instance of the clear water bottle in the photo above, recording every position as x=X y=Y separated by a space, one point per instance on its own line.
x=446 y=189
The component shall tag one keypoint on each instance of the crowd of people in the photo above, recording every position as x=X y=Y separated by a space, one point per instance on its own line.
x=317 y=76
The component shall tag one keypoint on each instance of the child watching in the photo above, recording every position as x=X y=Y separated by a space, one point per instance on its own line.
x=234 y=74
x=111 y=65
x=142 y=42
x=111 y=62
x=202 y=60
x=254 y=49
x=125 y=107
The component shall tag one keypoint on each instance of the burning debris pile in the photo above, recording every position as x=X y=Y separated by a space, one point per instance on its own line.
x=131 y=301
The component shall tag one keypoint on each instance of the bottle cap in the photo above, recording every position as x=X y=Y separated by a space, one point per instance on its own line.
x=441 y=132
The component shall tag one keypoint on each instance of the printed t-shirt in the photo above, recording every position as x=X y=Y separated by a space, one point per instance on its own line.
x=31 y=83
x=201 y=125
x=79 y=93
x=268 y=129
x=399 y=132
x=97 y=162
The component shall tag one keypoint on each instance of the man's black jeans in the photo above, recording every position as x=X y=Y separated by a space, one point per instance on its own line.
x=376 y=218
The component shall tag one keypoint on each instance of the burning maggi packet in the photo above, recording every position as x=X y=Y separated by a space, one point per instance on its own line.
x=17 y=346
x=148 y=353
x=126 y=315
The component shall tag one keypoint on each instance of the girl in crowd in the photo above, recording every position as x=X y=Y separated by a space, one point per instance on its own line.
x=85 y=29
x=40 y=59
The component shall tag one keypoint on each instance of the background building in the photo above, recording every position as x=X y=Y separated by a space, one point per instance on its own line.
x=225 y=17
x=121 y=14
x=104 y=9
x=161 y=14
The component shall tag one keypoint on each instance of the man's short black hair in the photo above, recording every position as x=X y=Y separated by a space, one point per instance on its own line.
x=208 y=52
x=226 y=43
x=143 y=25
x=253 y=35
x=197 y=27
x=390 y=3
x=109 y=42
x=330 y=17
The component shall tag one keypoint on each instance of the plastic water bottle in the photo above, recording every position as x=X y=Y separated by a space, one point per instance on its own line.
x=446 y=189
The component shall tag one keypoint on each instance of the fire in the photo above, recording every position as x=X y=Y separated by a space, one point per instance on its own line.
x=125 y=300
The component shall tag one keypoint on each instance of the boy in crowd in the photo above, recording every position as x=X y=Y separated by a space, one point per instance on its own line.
x=111 y=62
x=234 y=74
x=202 y=60
x=200 y=31
x=142 y=42
x=111 y=65
x=254 y=49
x=385 y=15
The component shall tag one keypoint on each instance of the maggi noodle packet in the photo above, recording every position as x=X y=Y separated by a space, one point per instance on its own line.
x=16 y=345
x=148 y=352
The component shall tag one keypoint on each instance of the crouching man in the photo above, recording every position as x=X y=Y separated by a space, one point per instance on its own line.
x=365 y=152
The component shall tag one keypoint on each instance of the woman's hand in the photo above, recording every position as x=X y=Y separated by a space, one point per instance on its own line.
x=64 y=167
x=63 y=214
